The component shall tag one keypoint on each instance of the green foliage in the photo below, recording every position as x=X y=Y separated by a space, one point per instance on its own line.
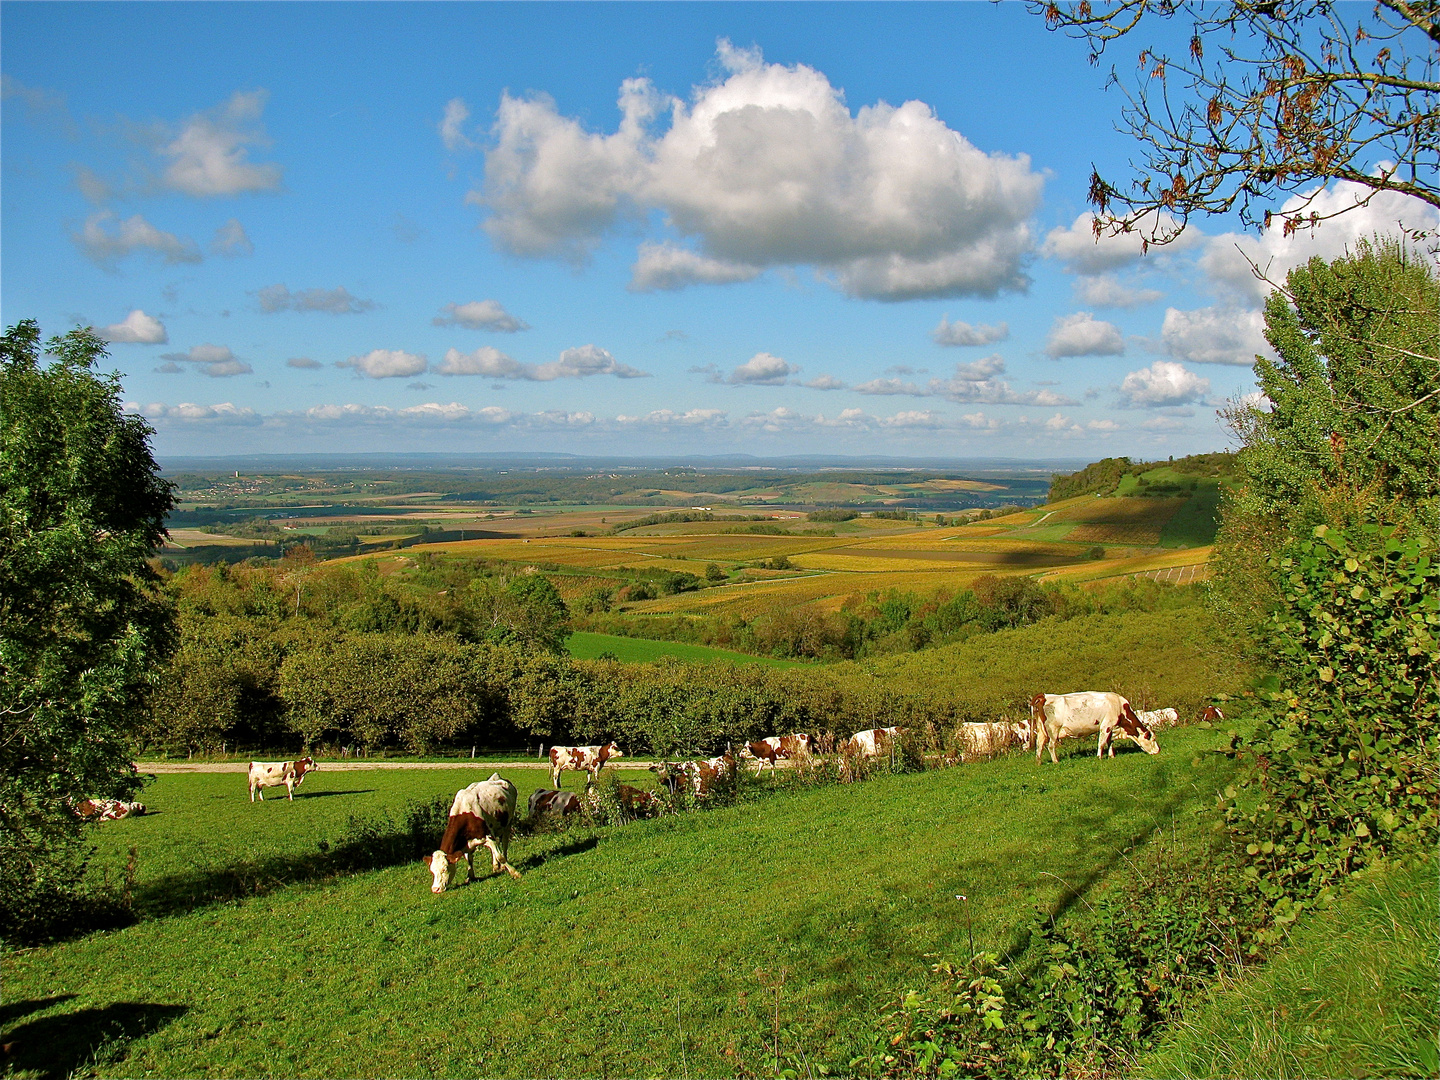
x=1101 y=477
x=82 y=624
x=832 y=515
x=1344 y=760
x=1351 y=428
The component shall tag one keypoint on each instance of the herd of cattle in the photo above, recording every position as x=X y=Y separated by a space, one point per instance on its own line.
x=484 y=814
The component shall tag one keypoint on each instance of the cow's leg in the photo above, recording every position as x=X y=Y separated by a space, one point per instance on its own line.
x=497 y=859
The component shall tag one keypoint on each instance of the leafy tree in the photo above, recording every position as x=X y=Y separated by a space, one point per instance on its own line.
x=526 y=611
x=82 y=625
x=1353 y=424
x=1269 y=101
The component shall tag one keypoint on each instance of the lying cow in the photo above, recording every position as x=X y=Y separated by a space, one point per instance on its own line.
x=1211 y=714
x=1066 y=716
x=977 y=739
x=1159 y=718
x=587 y=759
x=777 y=747
x=545 y=801
x=481 y=815
x=871 y=743
x=108 y=809
x=265 y=774
x=704 y=775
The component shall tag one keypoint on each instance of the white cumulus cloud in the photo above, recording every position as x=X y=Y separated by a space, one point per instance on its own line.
x=767 y=167
x=1228 y=258
x=577 y=363
x=1163 y=383
x=1106 y=291
x=209 y=156
x=338 y=301
x=217 y=361
x=1214 y=335
x=106 y=247
x=668 y=266
x=1081 y=334
x=1080 y=251
x=480 y=315
x=762 y=369
x=137 y=328
x=385 y=364
x=452 y=126
x=231 y=240
x=963 y=334
x=223 y=414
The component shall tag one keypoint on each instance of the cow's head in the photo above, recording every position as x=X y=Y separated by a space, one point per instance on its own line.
x=1037 y=709
x=1135 y=729
x=1211 y=714
x=442 y=869
x=303 y=766
x=610 y=751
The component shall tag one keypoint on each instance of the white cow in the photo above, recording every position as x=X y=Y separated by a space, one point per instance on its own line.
x=871 y=743
x=992 y=738
x=481 y=815
x=265 y=774
x=1159 y=718
x=1065 y=716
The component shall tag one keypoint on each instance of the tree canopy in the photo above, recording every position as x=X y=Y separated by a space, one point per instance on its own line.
x=82 y=507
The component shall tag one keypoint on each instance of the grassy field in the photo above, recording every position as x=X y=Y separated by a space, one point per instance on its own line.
x=649 y=949
x=1353 y=994
x=584 y=645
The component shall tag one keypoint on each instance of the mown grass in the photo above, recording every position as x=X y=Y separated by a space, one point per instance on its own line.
x=1353 y=994
x=639 y=950
x=584 y=645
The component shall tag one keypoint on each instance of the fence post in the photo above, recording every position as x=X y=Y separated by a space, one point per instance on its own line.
x=472 y=753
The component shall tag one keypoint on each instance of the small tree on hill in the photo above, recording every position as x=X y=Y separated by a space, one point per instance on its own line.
x=82 y=624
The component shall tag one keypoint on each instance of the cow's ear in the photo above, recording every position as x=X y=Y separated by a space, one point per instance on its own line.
x=426 y=860
x=455 y=856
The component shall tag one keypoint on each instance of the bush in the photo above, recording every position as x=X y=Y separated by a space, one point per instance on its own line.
x=1344 y=760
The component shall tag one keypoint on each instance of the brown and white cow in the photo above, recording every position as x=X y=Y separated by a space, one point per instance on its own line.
x=871 y=743
x=777 y=747
x=1066 y=716
x=108 y=809
x=265 y=774
x=481 y=815
x=1157 y=718
x=704 y=775
x=587 y=759
x=635 y=802
x=546 y=801
x=1211 y=714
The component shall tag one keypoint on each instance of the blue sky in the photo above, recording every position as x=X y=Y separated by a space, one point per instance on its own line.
x=610 y=228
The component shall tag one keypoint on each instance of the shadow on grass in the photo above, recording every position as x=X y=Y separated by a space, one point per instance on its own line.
x=53 y=1047
x=575 y=846
x=331 y=794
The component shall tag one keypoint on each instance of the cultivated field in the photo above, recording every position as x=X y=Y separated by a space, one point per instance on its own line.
x=669 y=944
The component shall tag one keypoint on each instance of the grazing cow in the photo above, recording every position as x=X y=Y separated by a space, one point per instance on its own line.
x=1211 y=714
x=704 y=775
x=1159 y=718
x=481 y=815
x=108 y=809
x=871 y=743
x=992 y=738
x=767 y=751
x=1064 y=716
x=265 y=774
x=545 y=801
x=588 y=759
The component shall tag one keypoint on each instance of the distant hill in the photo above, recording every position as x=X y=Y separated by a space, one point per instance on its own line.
x=1104 y=477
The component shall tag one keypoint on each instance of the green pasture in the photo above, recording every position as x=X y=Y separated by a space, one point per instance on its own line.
x=1352 y=994
x=584 y=645
x=655 y=948
x=1194 y=524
